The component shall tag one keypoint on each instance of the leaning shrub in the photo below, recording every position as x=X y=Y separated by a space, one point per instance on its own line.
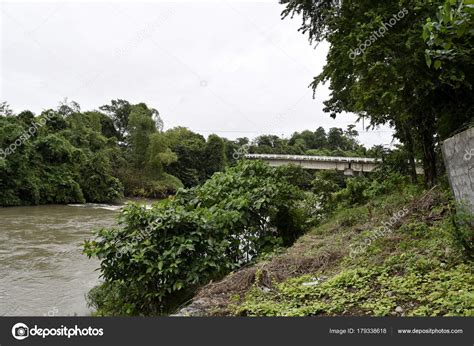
x=159 y=256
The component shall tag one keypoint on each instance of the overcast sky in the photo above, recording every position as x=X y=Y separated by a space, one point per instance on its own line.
x=228 y=67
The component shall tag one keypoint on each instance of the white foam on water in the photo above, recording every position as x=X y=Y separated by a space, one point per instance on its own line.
x=97 y=206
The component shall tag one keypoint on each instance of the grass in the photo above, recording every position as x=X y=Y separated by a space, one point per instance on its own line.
x=417 y=268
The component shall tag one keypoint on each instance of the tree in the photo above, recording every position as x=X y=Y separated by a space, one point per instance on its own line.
x=96 y=180
x=449 y=37
x=159 y=155
x=306 y=139
x=140 y=126
x=154 y=114
x=5 y=110
x=449 y=40
x=320 y=139
x=27 y=117
x=336 y=139
x=214 y=155
x=66 y=107
x=189 y=147
x=119 y=112
x=386 y=79
x=107 y=127
x=270 y=144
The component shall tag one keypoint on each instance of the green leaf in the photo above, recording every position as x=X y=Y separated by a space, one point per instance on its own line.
x=428 y=59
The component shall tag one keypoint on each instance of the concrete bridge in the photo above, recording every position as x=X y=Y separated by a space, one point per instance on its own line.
x=348 y=165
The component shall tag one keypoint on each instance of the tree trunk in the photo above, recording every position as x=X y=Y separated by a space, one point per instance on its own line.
x=411 y=155
x=429 y=157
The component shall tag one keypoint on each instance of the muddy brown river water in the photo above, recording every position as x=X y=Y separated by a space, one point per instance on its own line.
x=42 y=268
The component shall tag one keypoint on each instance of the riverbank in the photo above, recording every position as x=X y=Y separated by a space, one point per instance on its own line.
x=398 y=255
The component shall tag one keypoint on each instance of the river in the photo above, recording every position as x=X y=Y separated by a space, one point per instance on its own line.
x=42 y=269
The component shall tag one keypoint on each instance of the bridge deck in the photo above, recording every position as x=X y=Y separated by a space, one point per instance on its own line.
x=312 y=158
x=340 y=163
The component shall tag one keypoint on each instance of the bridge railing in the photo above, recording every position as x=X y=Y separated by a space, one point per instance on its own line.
x=311 y=158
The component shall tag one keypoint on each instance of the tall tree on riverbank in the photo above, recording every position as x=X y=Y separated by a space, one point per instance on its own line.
x=118 y=111
x=377 y=69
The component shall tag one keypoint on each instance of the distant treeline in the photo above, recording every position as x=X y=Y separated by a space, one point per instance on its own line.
x=66 y=155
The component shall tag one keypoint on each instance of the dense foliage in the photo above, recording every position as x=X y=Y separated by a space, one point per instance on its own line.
x=55 y=159
x=66 y=155
x=425 y=293
x=224 y=213
x=336 y=142
x=420 y=266
x=159 y=255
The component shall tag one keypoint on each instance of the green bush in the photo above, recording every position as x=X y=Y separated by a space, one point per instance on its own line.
x=156 y=256
x=353 y=194
x=162 y=254
x=324 y=185
x=387 y=185
x=262 y=196
x=311 y=209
